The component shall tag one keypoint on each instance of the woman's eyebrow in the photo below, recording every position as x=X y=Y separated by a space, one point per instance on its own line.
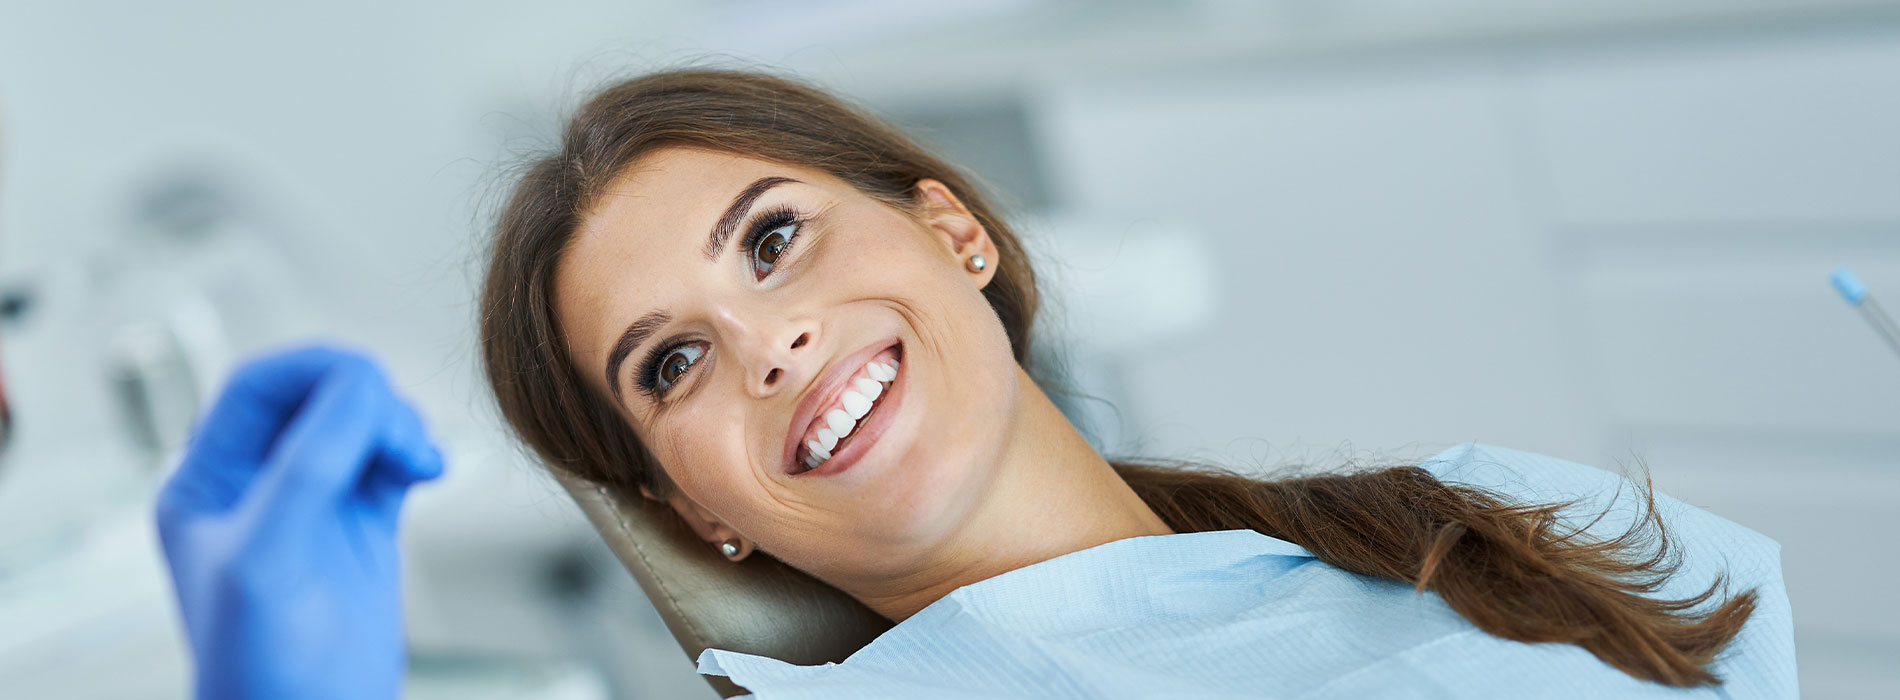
x=640 y=330
x=729 y=221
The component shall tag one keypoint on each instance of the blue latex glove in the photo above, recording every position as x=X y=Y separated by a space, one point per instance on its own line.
x=280 y=528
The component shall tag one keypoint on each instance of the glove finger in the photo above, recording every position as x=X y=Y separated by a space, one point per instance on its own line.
x=411 y=455
x=260 y=399
x=404 y=456
x=322 y=455
x=236 y=434
x=380 y=496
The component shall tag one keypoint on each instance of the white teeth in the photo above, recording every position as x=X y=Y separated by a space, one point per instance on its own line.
x=855 y=404
x=839 y=422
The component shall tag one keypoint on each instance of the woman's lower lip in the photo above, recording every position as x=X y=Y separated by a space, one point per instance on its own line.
x=866 y=436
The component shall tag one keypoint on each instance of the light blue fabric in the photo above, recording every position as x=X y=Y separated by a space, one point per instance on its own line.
x=1237 y=614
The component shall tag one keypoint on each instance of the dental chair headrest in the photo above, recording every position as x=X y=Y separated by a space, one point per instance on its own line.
x=757 y=606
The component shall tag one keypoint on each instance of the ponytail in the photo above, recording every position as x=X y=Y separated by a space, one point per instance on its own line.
x=1515 y=571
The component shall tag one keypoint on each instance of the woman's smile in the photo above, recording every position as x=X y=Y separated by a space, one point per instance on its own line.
x=846 y=411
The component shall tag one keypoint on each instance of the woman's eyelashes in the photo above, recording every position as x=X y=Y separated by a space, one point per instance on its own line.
x=767 y=241
x=666 y=365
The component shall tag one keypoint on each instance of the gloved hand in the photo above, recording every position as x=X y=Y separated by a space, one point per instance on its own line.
x=280 y=528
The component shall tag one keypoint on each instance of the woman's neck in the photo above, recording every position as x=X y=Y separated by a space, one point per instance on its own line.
x=1054 y=494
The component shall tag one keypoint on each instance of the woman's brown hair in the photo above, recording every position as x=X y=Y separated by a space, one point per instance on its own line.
x=1514 y=570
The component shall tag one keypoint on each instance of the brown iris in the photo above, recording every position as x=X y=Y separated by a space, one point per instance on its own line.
x=675 y=366
x=769 y=250
x=771 y=246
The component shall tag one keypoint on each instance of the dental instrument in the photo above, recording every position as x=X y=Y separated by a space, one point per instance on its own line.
x=1851 y=289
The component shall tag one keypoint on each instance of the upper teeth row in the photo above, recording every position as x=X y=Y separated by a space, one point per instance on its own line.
x=855 y=402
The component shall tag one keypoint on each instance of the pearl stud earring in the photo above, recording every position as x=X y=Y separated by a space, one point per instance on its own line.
x=977 y=263
x=729 y=548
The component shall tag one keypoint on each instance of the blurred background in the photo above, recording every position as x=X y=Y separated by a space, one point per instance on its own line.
x=1600 y=231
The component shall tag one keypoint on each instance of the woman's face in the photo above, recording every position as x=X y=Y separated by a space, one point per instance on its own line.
x=727 y=304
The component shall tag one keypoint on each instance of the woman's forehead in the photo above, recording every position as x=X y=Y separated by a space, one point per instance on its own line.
x=674 y=188
x=672 y=197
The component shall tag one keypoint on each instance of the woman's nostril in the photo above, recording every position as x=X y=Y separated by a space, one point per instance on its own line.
x=771 y=377
x=800 y=341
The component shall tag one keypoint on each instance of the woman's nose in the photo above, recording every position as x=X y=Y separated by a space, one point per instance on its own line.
x=773 y=350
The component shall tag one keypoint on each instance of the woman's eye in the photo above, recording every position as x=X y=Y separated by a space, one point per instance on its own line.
x=675 y=365
x=772 y=245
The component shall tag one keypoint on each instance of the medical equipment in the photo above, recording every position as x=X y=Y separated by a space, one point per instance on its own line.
x=1851 y=289
x=12 y=304
x=6 y=416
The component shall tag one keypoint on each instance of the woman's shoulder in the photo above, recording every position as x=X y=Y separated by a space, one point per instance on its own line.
x=1707 y=547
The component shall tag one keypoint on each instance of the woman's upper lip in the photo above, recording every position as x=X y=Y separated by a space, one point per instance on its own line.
x=822 y=391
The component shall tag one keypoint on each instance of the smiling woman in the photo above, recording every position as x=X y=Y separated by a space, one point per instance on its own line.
x=736 y=294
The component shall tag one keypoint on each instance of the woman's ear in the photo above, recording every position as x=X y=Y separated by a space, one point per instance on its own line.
x=706 y=526
x=944 y=213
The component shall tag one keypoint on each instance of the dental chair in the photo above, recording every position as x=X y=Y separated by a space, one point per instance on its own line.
x=756 y=606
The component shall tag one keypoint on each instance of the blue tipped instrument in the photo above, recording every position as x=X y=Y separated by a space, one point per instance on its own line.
x=1856 y=295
